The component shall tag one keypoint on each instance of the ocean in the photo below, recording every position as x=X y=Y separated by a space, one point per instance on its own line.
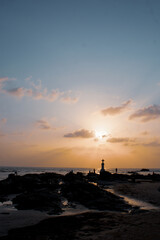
x=5 y=171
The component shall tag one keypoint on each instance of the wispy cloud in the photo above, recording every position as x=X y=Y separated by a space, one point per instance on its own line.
x=3 y=120
x=155 y=143
x=152 y=144
x=17 y=92
x=69 y=100
x=2 y=135
x=116 y=110
x=28 y=78
x=83 y=133
x=17 y=133
x=37 y=85
x=43 y=124
x=44 y=95
x=126 y=141
x=121 y=140
x=37 y=92
x=147 y=114
x=54 y=95
x=3 y=79
x=145 y=133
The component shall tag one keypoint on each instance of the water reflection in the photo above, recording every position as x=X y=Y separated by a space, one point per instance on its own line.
x=134 y=202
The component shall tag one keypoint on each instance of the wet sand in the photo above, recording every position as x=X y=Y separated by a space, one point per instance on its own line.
x=93 y=226
x=21 y=218
x=10 y=219
x=146 y=191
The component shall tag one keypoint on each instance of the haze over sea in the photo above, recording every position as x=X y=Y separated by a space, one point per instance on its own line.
x=5 y=171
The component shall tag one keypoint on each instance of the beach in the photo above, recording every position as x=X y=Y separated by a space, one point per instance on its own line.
x=108 y=223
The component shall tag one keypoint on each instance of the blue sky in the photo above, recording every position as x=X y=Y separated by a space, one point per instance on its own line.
x=64 y=61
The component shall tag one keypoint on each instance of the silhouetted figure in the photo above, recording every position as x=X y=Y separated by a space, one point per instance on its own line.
x=94 y=171
x=116 y=170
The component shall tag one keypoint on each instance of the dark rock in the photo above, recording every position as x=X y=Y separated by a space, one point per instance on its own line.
x=36 y=191
x=42 y=199
x=44 y=192
x=105 y=175
x=144 y=170
x=3 y=199
x=91 y=196
x=70 y=177
x=18 y=184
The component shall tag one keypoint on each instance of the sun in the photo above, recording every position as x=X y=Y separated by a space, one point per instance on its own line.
x=101 y=134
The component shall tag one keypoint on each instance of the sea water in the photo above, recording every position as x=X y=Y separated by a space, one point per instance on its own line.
x=5 y=171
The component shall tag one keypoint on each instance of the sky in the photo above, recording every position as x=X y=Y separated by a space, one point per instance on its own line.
x=80 y=81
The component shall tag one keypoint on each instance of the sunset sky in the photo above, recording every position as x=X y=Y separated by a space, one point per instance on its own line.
x=80 y=81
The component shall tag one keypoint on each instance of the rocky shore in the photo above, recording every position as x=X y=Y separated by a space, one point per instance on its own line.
x=108 y=216
x=46 y=192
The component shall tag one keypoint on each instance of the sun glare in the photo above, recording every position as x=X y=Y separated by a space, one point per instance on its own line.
x=100 y=134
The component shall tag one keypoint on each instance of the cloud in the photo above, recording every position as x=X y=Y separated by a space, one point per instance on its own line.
x=83 y=133
x=43 y=124
x=37 y=86
x=147 y=114
x=53 y=95
x=3 y=79
x=3 y=120
x=17 y=92
x=145 y=133
x=121 y=140
x=37 y=92
x=155 y=143
x=134 y=142
x=116 y=110
x=28 y=78
x=151 y=144
x=96 y=139
x=2 y=135
x=17 y=133
x=69 y=100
